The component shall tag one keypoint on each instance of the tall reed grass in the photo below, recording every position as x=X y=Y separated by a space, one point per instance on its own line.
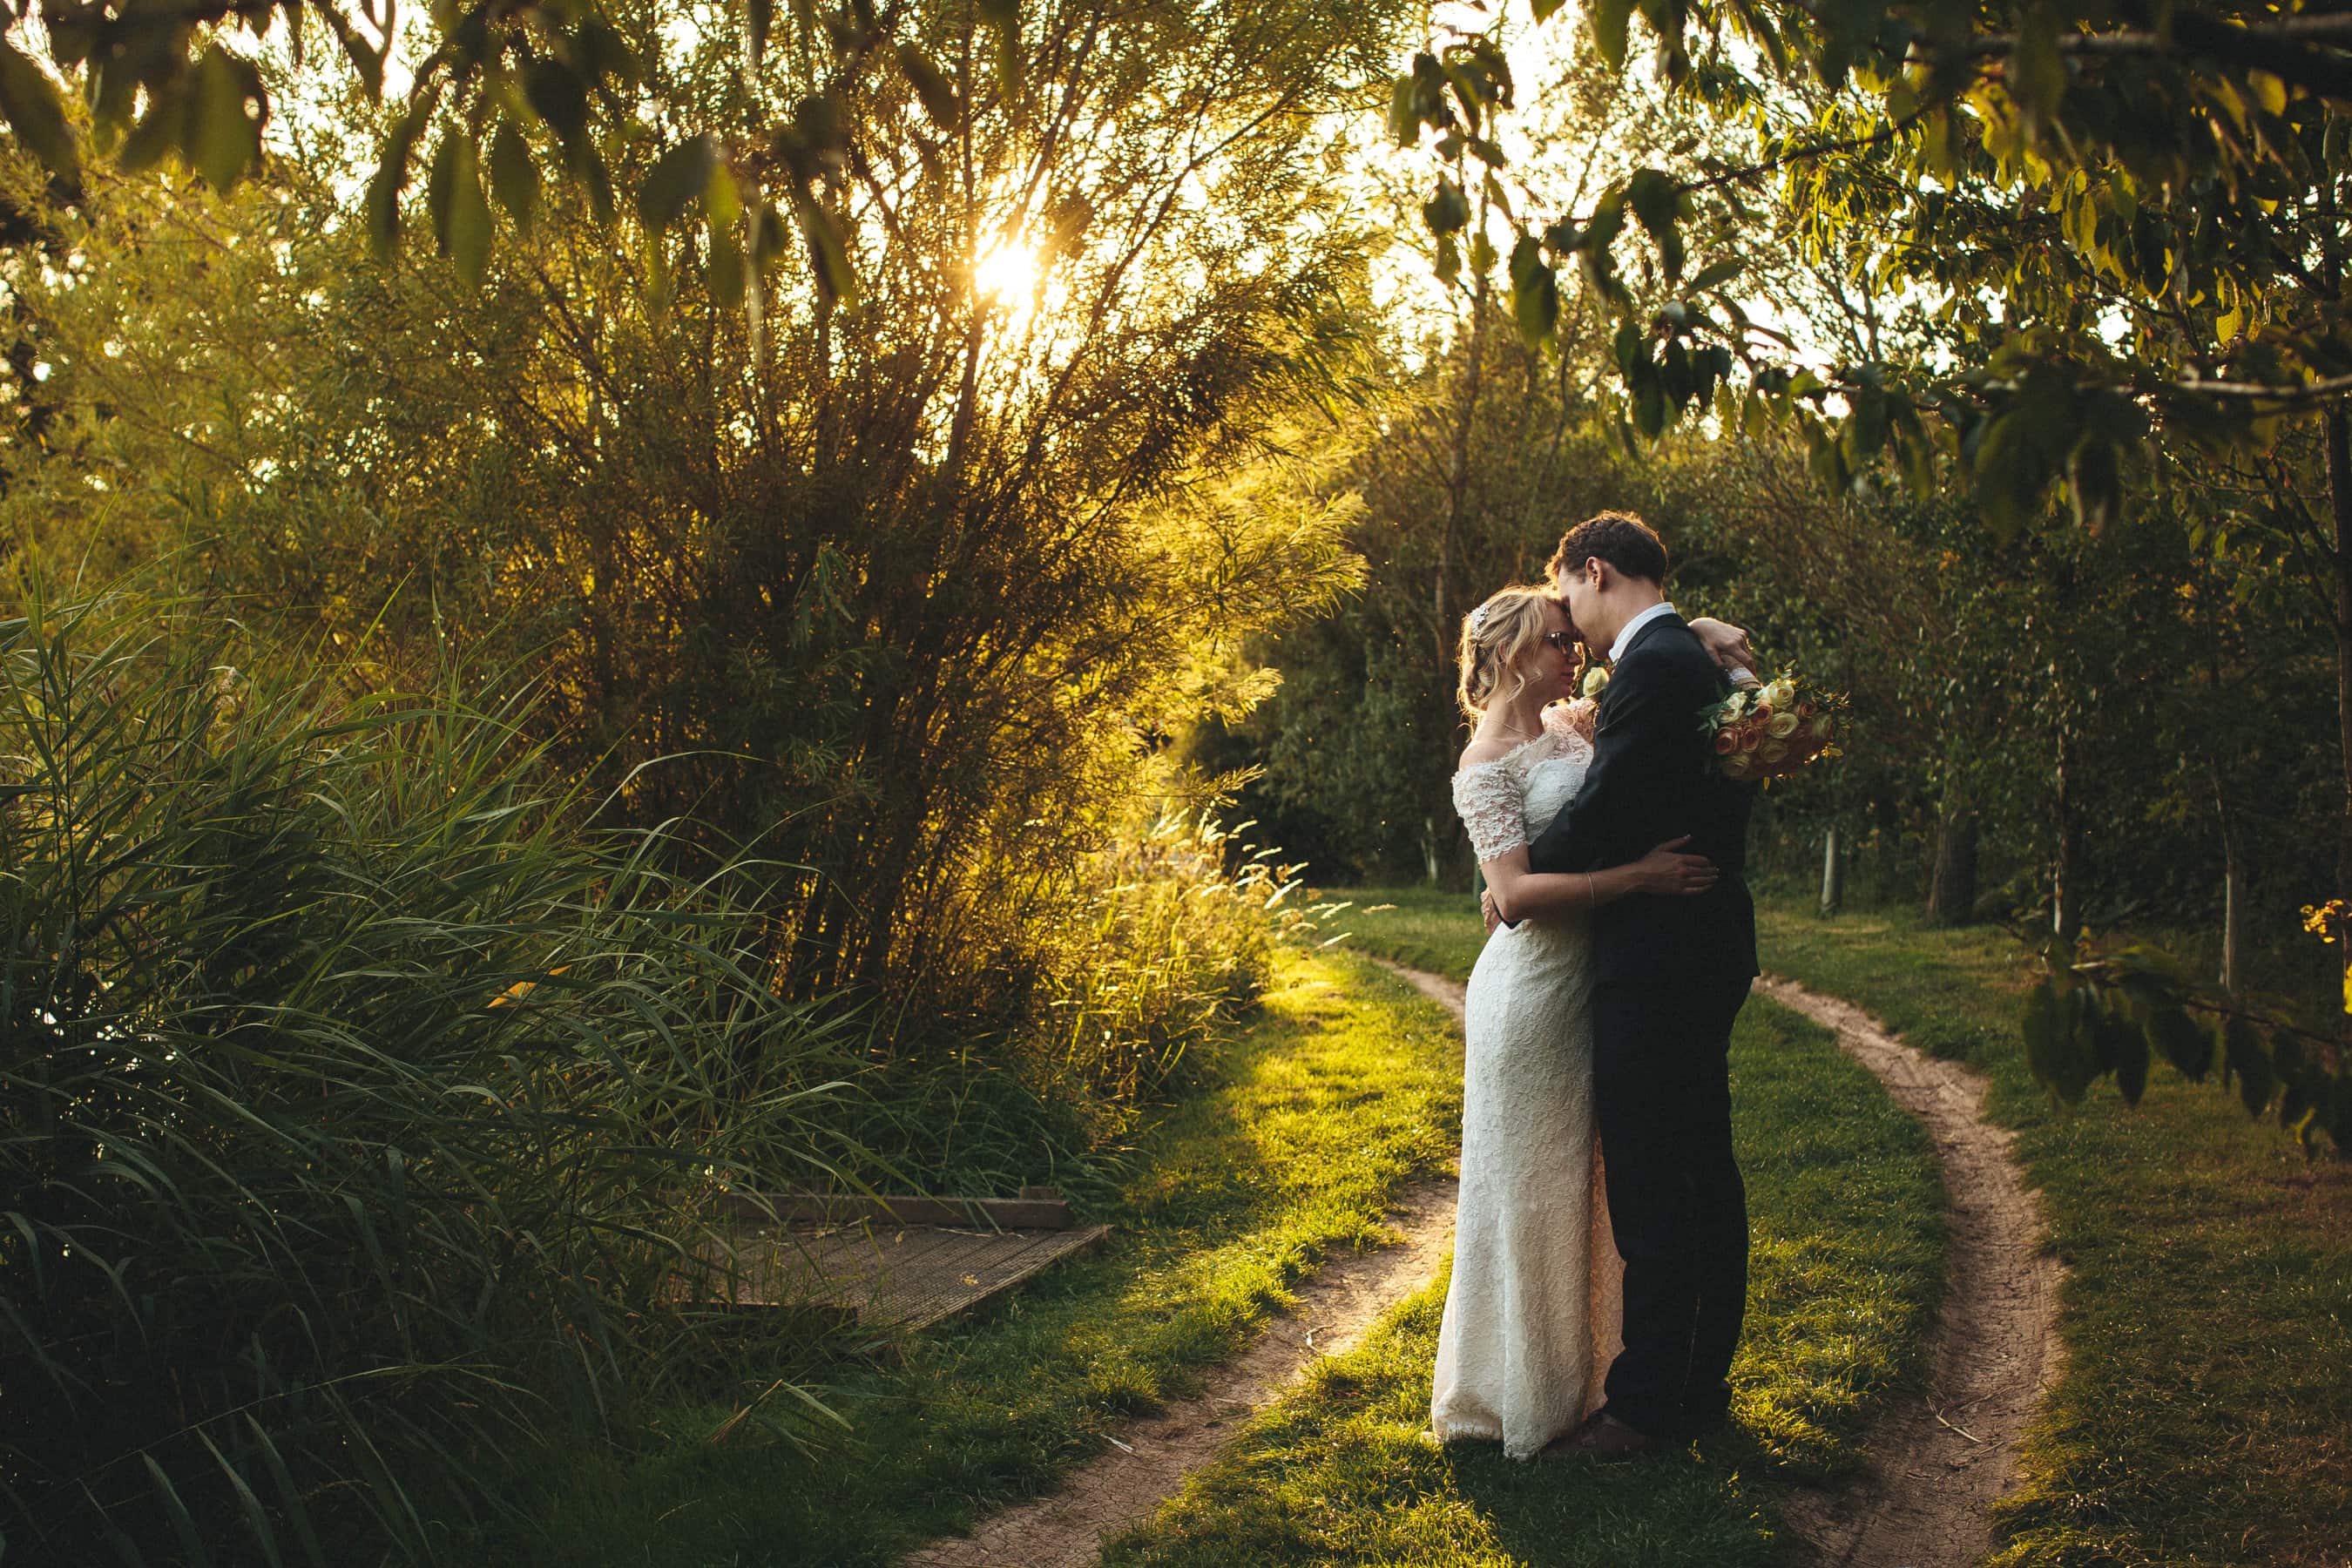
x=1123 y=980
x=361 y=1110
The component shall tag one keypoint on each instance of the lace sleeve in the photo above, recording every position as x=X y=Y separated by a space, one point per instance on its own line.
x=1488 y=797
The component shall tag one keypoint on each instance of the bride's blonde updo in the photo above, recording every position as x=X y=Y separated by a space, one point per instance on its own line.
x=1496 y=636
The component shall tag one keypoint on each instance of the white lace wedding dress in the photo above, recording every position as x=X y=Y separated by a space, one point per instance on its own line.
x=1532 y=1314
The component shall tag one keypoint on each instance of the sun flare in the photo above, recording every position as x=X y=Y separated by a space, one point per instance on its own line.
x=1006 y=272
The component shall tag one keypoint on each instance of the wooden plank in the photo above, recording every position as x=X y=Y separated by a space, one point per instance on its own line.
x=906 y=1278
x=971 y=1214
x=1036 y=1258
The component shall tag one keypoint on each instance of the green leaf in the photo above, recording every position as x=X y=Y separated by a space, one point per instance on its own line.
x=470 y=215
x=2093 y=482
x=677 y=177
x=184 y=1523
x=1449 y=259
x=1716 y=274
x=1867 y=423
x=1655 y=201
x=1482 y=256
x=599 y=185
x=391 y=178
x=441 y=185
x=514 y=176
x=828 y=254
x=1404 y=115
x=2007 y=475
x=2246 y=1055
x=2035 y=75
x=1003 y=19
x=1607 y=222
x=1650 y=407
x=722 y=203
x=769 y=239
x=157 y=132
x=1535 y=296
x=559 y=97
x=2126 y=1044
x=932 y=85
x=2176 y=1037
x=1609 y=18
x=37 y=112
x=1632 y=350
x=2049 y=1043
x=1448 y=210
x=760 y=18
x=222 y=137
x=726 y=268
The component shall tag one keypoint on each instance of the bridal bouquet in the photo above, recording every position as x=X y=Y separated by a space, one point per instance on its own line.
x=1770 y=730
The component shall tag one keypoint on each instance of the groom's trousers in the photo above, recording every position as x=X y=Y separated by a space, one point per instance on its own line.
x=1662 y=1086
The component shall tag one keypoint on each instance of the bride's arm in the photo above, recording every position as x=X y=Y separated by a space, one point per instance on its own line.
x=1726 y=644
x=1519 y=892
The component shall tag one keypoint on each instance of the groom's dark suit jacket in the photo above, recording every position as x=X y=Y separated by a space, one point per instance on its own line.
x=1654 y=778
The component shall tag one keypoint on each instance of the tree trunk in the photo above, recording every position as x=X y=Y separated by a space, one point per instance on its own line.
x=2234 y=892
x=1833 y=874
x=2066 y=881
x=2339 y=500
x=1888 y=832
x=1952 y=892
x=2339 y=505
x=1457 y=459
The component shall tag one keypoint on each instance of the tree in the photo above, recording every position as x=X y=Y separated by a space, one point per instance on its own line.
x=903 y=590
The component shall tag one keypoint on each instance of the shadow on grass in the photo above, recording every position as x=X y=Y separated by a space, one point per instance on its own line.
x=1346 y=1085
x=1847 y=1264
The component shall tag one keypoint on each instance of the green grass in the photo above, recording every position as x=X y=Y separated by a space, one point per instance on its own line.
x=1420 y=926
x=1346 y=1085
x=1846 y=1213
x=2205 y=1412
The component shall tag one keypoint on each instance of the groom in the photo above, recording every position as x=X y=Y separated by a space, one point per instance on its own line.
x=1670 y=975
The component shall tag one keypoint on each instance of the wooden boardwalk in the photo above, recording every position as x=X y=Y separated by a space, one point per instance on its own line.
x=870 y=1261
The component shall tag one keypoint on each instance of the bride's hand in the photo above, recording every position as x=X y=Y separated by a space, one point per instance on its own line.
x=1675 y=875
x=1725 y=643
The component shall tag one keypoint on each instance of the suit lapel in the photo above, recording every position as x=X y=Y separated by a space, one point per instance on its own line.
x=1649 y=631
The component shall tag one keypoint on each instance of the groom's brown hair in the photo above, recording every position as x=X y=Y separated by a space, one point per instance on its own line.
x=1621 y=538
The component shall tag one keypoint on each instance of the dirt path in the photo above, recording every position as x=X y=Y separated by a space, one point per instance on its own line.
x=1938 y=1464
x=1148 y=1459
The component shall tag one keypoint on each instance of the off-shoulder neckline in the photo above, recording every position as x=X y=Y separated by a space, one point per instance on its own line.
x=1551 y=732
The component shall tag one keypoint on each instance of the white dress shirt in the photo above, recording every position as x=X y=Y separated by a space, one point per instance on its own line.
x=1741 y=675
x=1625 y=636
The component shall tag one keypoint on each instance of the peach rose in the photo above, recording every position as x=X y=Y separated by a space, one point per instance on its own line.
x=1726 y=740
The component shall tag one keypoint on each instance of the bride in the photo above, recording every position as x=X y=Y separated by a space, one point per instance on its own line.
x=1532 y=1313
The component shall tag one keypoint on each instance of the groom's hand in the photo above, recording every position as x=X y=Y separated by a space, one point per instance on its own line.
x=1486 y=908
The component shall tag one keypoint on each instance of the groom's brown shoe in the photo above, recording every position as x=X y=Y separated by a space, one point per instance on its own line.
x=1601 y=1436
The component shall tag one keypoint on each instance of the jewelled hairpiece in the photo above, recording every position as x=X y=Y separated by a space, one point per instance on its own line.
x=1478 y=617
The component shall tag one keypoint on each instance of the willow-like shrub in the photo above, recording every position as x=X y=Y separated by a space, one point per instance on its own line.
x=361 y=1111
x=1110 y=998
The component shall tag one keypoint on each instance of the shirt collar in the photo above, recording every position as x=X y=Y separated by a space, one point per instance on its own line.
x=1626 y=638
